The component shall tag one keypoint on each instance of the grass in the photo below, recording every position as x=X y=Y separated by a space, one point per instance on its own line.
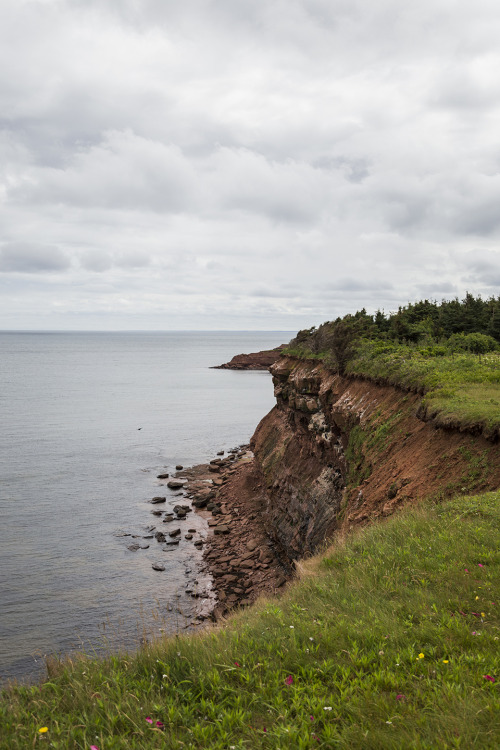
x=459 y=390
x=390 y=639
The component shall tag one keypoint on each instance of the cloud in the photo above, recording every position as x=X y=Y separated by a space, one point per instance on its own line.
x=283 y=161
x=19 y=257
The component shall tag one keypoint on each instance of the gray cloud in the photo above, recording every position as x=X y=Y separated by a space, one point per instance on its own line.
x=27 y=257
x=284 y=161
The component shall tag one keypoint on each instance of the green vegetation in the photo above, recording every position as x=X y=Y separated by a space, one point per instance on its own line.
x=389 y=640
x=449 y=352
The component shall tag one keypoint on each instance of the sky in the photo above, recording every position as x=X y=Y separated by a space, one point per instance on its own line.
x=244 y=164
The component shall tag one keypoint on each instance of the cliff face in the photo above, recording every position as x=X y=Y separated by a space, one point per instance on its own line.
x=337 y=451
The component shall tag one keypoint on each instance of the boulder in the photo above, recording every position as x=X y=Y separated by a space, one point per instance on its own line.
x=221 y=530
x=158 y=566
x=162 y=476
x=175 y=532
x=156 y=500
x=176 y=484
x=179 y=467
x=160 y=536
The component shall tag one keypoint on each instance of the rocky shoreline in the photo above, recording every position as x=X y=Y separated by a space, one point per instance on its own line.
x=238 y=552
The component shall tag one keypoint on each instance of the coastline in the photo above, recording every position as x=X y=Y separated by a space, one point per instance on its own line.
x=238 y=553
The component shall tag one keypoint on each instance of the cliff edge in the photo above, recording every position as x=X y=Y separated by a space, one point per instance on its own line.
x=341 y=451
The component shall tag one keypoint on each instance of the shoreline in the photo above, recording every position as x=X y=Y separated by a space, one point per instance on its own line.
x=238 y=553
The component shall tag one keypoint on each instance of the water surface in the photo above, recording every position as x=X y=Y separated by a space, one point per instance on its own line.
x=87 y=422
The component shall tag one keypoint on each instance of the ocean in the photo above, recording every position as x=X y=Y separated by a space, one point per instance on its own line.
x=87 y=422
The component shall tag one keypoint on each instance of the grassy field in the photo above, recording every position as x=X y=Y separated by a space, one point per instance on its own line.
x=390 y=639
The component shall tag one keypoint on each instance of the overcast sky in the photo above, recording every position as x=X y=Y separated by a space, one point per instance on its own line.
x=244 y=164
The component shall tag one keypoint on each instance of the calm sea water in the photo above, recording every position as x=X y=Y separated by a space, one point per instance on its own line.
x=76 y=472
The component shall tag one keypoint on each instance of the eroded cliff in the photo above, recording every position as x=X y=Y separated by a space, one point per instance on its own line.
x=338 y=451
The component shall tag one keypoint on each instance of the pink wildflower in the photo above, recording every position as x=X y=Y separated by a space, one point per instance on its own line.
x=94 y=747
x=489 y=677
x=237 y=664
x=312 y=718
x=149 y=719
x=400 y=697
x=160 y=724
x=289 y=680
x=480 y=565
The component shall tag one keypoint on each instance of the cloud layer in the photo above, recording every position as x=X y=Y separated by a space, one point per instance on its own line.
x=260 y=164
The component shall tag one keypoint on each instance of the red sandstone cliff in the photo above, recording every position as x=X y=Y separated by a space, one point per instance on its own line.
x=338 y=451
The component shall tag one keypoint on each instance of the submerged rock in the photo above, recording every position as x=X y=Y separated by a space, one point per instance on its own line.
x=158 y=566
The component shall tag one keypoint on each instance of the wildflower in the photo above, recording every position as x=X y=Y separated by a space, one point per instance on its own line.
x=446 y=661
x=489 y=677
x=94 y=747
x=388 y=722
x=466 y=570
x=477 y=598
x=481 y=565
x=312 y=718
x=42 y=730
x=160 y=724
x=289 y=680
x=421 y=656
x=237 y=664
x=327 y=708
x=400 y=697
x=149 y=719
x=264 y=730
x=311 y=639
x=483 y=614
x=292 y=627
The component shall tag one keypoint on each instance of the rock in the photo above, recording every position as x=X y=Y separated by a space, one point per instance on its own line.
x=158 y=566
x=251 y=545
x=156 y=512
x=212 y=522
x=168 y=518
x=199 y=543
x=179 y=467
x=171 y=542
x=192 y=531
x=216 y=511
x=148 y=536
x=188 y=536
x=214 y=467
x=200 y=503
x=221 y=530
x=220 y=453
x=155 y=500
x=176 y=484
x=162 y=476
x=160 y=536
x=133 y=547
x=175 y=532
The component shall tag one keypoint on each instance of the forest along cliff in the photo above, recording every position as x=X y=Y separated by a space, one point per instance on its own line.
x=338 y=451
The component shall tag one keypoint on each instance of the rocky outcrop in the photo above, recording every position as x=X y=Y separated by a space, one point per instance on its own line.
x=255 y=361
x=338 y=451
